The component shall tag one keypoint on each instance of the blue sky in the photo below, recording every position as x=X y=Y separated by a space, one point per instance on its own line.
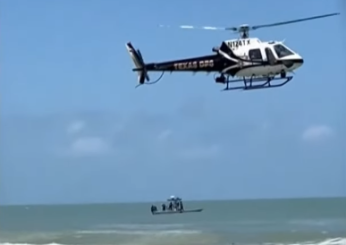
x=74 y=129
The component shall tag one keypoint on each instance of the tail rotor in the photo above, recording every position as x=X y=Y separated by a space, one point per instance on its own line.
x=138 y=61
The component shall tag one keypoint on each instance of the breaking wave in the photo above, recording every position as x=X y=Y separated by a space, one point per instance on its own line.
x=331 y=241
x=140 y=232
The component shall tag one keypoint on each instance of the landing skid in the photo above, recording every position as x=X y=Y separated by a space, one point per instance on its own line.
x=266 y=82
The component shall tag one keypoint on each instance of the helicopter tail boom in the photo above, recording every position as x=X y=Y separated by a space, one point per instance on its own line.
x=138 y=61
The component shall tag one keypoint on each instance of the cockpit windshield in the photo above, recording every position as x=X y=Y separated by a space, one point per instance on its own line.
x=281 y=51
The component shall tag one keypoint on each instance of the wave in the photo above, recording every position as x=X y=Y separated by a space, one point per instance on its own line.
x=140 y=232
x=142 y=226
x=319 y=222
x=330 y=241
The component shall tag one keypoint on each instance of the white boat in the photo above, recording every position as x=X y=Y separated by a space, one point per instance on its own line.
x=178 y=211
x=175 y=207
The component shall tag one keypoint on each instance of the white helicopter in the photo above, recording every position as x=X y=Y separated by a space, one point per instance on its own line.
x=247 y=58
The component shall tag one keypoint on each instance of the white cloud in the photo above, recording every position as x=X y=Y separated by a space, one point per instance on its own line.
x=200 y=152
x=84 y=145
x=265 y=126
x=89 y=146
x=76 y=127
x=164 y=135
x=317 y=133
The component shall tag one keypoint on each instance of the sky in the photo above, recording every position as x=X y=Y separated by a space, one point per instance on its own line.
x=75 y=130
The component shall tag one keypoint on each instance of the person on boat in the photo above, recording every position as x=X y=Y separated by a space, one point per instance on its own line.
x=181 y=206
x=170 y=207
x=153 y=209
x=163 y=207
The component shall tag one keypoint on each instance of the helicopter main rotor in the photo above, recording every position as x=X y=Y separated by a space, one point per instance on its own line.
x=245 y=29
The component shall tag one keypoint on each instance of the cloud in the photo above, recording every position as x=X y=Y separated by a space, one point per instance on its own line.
x=200 y=152
x=193 y=108
x=265 y=126
x=81 y=144
x=164 y=135
x=89 y=146
x=138 y=133
x=317 y=133
x=76 y=127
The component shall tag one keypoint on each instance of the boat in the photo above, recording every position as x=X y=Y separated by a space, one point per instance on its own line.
x=178 y=211
x=175 y=207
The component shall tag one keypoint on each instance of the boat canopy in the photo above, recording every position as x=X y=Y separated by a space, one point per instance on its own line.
x=173 y=198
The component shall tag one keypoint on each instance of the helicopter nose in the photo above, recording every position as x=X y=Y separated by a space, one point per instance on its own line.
x=299 y=62
x=293 y=63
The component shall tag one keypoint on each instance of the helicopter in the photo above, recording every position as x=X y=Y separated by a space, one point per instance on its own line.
x=245 y=60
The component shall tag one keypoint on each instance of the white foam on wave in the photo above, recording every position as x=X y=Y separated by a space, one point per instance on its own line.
x=141 y=226
x=140 y=232
x=331 y=241
x=318 y=222
x=8 y=243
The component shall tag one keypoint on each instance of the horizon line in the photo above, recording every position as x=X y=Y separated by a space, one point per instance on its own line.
x=185 y=200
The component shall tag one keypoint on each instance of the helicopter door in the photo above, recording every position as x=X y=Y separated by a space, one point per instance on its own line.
x=255 y=55
x=270 y=56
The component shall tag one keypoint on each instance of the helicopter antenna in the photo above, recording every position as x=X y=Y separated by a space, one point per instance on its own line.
x=245 y=29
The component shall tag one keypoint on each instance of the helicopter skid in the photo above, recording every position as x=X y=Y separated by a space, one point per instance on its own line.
x=248 y=83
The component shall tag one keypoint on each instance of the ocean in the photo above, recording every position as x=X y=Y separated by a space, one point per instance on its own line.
x=290 y=221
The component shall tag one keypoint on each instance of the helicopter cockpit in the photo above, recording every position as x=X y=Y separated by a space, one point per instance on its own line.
x=282 y=51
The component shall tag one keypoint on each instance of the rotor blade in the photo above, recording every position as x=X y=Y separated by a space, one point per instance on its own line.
x=210 y=28
x=293 y=21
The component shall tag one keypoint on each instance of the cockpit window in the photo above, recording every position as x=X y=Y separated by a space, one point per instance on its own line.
x=281 y=51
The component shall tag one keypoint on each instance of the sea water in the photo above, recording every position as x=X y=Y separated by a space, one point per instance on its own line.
x=290 y=221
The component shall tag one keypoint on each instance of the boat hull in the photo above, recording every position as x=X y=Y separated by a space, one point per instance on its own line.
x=179 y=212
